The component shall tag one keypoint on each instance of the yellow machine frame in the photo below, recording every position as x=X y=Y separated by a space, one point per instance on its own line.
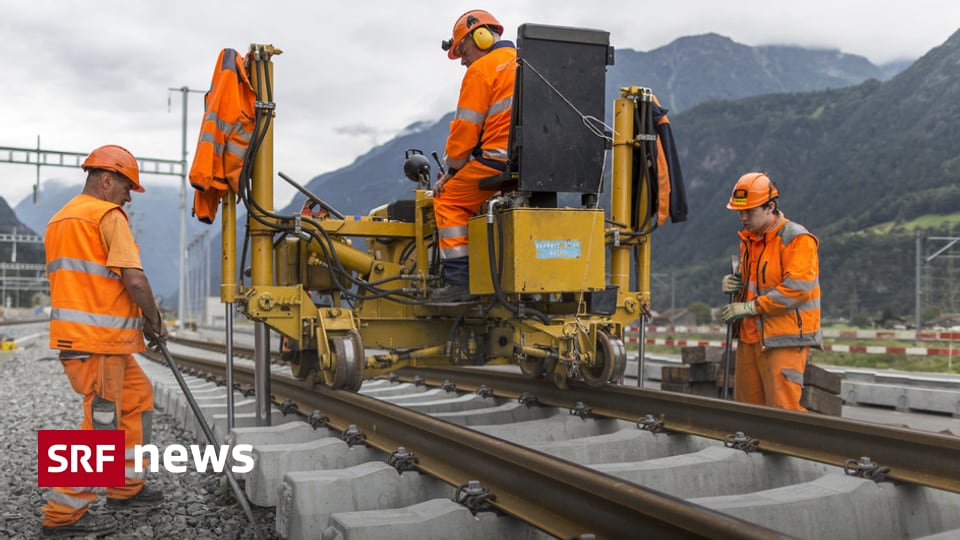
x=557 y=311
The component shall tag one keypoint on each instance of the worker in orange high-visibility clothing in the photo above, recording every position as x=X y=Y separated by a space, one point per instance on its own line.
x=778 y=293
x=102 y=307
x=477 y=145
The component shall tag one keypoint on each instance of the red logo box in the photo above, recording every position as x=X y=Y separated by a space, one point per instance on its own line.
x=80 y=458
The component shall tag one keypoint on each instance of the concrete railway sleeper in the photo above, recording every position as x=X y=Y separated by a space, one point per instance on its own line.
x=322 y=486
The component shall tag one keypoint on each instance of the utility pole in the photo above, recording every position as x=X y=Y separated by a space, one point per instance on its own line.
x=951 y=241
x=185 y=91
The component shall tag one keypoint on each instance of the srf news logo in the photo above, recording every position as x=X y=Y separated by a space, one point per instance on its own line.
x=95 y=458
x=92 y=458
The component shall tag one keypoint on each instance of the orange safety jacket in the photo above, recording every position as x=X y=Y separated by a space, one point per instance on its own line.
x=670 y=193
x=481 y=127
x=477 y=145
x=91 y=309
x=781 y=272
x=228 y=124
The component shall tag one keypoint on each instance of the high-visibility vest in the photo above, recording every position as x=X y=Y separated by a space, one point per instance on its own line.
x=91 y=310
x=481 y=127
x=782 y=273
x=228 y=123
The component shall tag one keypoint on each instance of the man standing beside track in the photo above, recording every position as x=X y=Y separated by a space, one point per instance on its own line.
x=102 y=307
x=779 y=301
x=476 y=148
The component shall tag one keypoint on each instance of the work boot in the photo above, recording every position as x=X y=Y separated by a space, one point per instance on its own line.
x=451 y=294
x=148 y=496
x=87 y=524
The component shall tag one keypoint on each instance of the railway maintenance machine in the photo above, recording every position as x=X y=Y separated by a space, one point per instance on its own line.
x=550 y=278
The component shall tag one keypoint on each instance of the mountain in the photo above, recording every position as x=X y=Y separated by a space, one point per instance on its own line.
x=697 y=69
x=867 y=169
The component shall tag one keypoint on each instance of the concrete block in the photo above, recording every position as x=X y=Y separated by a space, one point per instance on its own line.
x=511 y=411
x=705 y=372
x=560 y=427
x=381 y=391
x=307 y=499
x=453 y=403
x=902 y=398
x=273 y=461
x=835 y=504
x=716 y=470
x=675 y=374
x=626 y=445
x=814 y=375
x=219 y=422
x=434 y=519
x=821 y=401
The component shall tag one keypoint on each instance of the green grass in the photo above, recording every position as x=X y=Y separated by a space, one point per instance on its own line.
x=928 y=221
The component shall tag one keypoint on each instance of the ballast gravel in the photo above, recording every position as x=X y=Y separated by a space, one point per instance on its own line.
x=35 y=395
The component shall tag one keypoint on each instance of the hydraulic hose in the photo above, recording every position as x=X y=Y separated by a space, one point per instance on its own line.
x=517 y=309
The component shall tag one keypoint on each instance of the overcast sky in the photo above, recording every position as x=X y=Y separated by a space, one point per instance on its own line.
x=352 y=74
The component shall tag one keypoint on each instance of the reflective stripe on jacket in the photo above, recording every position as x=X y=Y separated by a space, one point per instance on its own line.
x=781 y=271
x=228 y=124
x=481 y=127
x=91 y=309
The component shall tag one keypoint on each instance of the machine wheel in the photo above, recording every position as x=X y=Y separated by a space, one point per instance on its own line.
x=533 y=367
x=611 y=361
x=301 y=361
x=348 y=361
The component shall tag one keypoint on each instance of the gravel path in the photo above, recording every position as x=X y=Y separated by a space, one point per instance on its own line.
x=34 y=395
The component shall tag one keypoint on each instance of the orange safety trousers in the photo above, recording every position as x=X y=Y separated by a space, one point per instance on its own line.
x=771 y=377
x=116 y=395
x=457 y=203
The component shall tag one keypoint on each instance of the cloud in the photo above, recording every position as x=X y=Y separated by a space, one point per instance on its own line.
x=81 y=74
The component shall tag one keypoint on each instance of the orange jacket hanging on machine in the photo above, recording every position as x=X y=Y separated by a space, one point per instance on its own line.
x=228 y=123
x=91 y=309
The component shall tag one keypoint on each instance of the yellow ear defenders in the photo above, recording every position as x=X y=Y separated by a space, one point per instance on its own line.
x=483 y=38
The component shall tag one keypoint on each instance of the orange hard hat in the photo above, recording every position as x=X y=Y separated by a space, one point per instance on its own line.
x=117 y=159
x=752 y=190
x=467 y=23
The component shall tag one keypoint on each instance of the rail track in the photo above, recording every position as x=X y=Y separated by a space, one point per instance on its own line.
x=617 y=463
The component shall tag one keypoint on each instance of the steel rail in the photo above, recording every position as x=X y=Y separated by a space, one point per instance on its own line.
x=917 y=457
x=559 y=497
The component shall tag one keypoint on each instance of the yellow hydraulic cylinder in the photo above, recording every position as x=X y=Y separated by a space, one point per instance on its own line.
x=621 y=190
x=261 y=244
x=228 y=264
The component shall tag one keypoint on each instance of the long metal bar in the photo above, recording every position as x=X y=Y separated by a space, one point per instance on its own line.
x=261 y=362
x=238 y=493
x=228 y=285
x=228 y=321
x=917 y=457
x=59 y=158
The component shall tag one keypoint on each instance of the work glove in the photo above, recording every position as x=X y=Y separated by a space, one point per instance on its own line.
x=737 y=310
x=155 y=331
x=732 y=283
